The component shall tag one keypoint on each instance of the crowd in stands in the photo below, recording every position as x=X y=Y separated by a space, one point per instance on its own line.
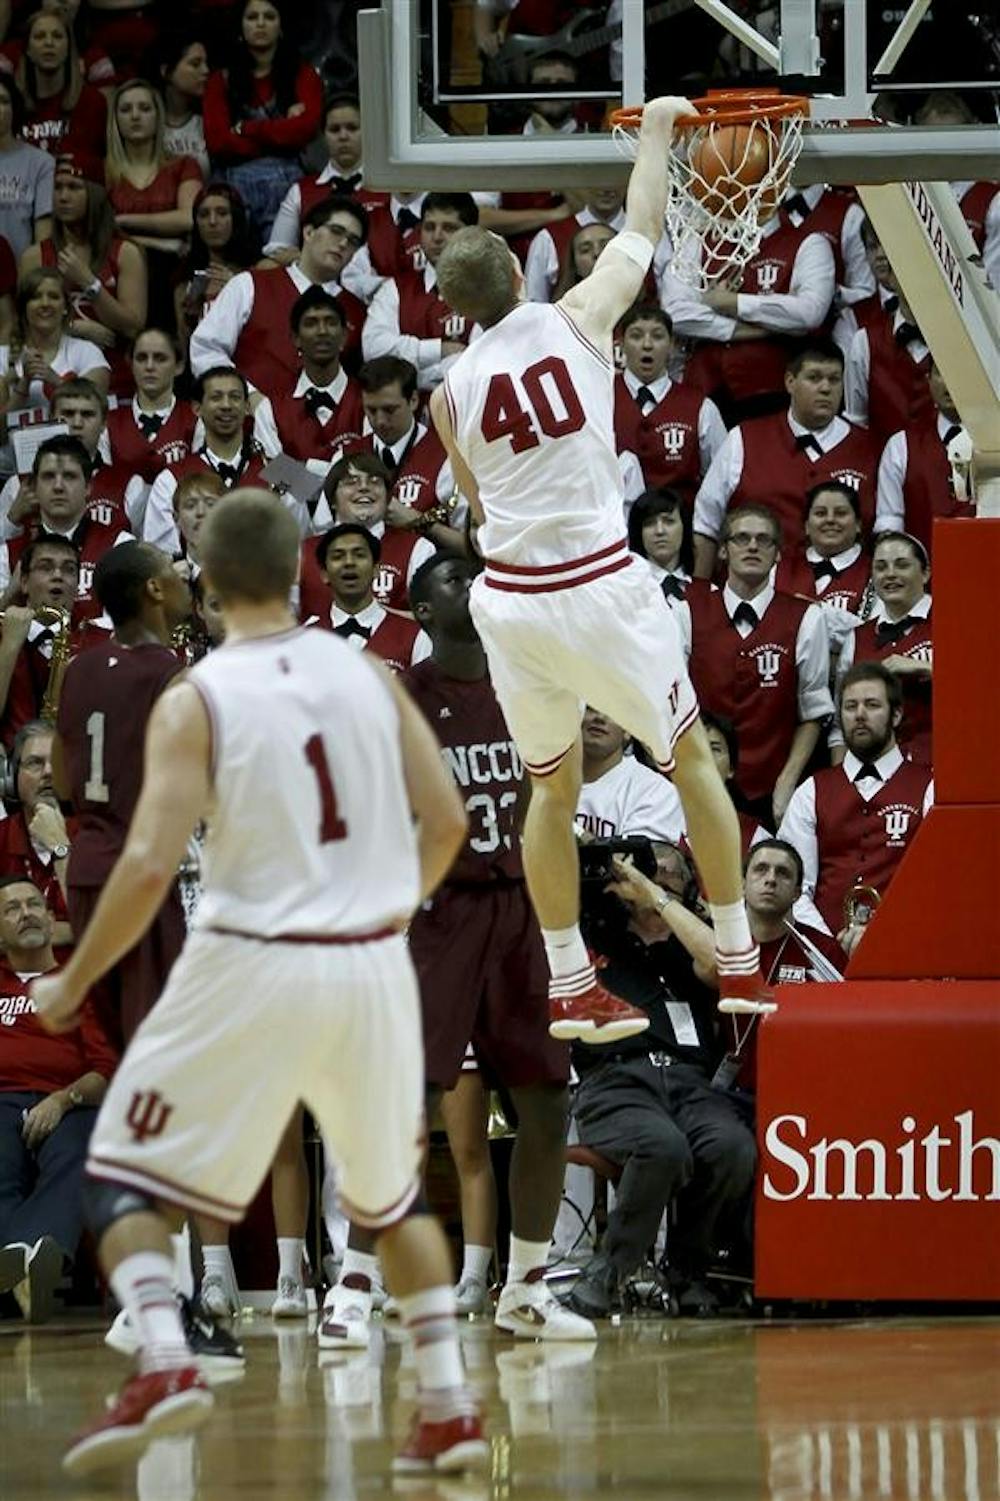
x=185 y=308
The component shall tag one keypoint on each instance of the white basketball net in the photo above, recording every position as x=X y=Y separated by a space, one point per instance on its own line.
x=715 y=227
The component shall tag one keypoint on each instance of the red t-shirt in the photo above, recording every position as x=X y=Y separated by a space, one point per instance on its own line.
x=161 y=194
x=266 y=135
x=33 y=1060
x=52 y=127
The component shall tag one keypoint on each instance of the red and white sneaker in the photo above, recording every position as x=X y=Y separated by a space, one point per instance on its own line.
x=148 y=1407
x=595 y=1016
x=449 y=1448
x=746 y=995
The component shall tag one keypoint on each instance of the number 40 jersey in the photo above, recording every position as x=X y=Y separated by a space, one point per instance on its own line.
x=477 y=748
x=532 y=409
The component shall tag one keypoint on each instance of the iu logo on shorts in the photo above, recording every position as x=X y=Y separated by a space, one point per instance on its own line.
x=147 y=1114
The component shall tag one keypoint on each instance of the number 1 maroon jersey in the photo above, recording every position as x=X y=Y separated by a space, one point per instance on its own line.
x=108 y=695
x=477 y=748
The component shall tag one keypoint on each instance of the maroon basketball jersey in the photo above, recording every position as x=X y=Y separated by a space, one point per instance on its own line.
x=477 y=748
x=108 y=695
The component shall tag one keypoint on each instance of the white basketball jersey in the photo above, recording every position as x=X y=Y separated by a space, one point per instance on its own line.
x=311 y=831
x=532 y=406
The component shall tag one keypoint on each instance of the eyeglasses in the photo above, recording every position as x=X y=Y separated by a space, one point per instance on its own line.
x=748 y=539
x=355 y=241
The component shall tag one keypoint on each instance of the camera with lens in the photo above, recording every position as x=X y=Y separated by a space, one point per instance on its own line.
x=603 y=917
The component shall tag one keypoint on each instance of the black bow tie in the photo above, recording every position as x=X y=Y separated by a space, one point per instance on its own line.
x=150 y=422
x=406 y=219
x=745 y=613
x=888 y=632
x=672 y=587
x=350 y=627
x=645 y=397
x=319 y=401
x=345 y=184
x=953 y=432
x=868 y=769
x=907 y=334
x=229 y=473
x=891 y=304
x=809 y=443
x=797 y=204
x=824 y=569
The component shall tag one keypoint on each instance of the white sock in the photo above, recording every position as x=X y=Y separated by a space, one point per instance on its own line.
x=218 y=1260
x=526 y=1256
x=570 y=968
x=360 y=1264
x=476 y=1264
x=429 y=1317
x=736 y=952
x=291 y=1250
x=183 y=1274
x=143 y=1285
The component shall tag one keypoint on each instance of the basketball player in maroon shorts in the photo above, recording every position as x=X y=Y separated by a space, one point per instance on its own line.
x=107 y=697
x=478 y=951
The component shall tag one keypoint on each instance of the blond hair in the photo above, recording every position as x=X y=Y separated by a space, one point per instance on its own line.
x=118 y=163
x=475 y=275
x=249 y=547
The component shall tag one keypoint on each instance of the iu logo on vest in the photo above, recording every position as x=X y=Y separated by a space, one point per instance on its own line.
x=454 y=326
x=852 y=477
x=407 y=491
x=897 y=822
x=147 y=1115
x=674 y=438
x=767 y=274
x=768 y=659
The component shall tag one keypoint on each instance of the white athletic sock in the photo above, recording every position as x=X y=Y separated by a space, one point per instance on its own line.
x=736 y=953
x=359 y=1264
x=143 y=1285
x=291 y=1250
x=429 y=1317
x=526 y=1256
x=183 y=1275
x=569 y=963
x=219 y=1260
x=476 y=1264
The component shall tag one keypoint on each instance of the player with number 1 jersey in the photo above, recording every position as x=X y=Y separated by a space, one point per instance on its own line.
x=107 y=697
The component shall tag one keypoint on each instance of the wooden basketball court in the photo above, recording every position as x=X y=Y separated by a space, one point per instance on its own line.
x=896 y=1408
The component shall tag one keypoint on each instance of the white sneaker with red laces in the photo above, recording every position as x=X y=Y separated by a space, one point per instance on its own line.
x=148 y=1407
x=530 y=1310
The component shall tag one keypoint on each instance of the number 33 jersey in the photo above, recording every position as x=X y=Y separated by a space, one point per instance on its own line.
x=532 y=406
x=310 y=831
x=477 y=749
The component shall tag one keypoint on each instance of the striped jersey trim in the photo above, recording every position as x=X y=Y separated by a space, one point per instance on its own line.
x=553 y=577
x=579 y=334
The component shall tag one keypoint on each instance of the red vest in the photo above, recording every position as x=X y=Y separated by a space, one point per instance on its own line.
x=425 y=315
x=312 y=192
x=390 y=251
x=250 y=470
x=753 y=680
x=394 y=565
x=827 y=219
x=264 y=352
x=927 y=486
x=848 y=589
x=664 y=439
x=303 y=436
x=914 y=733
x=898 y=392
x=975 y=203
x=777 y=474
x=134 y=453
x=862 y=843
x=748 y=369
x=393 y=640
x=417 y=476
x=93 y=537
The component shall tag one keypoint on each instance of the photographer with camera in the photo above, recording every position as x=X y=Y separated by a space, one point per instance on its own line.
x=650 y=1103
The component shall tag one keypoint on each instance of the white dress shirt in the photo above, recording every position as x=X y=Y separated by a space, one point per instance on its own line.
x=381 y=335
x=371 y=617
x=631 y=801
x=541 y=264
x=840 y=622
x=215 y=338
x=920 y=611
x=719 y=485
x=159 y=523
x=890 y=509
x=286 y=231
x=359 y=275
x=798 y=311
x=798 y=826
x=265 y=428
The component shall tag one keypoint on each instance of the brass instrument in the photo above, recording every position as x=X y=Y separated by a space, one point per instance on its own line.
x=60 y=622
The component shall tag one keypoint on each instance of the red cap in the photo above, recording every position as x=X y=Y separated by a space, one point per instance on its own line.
x=82 y=164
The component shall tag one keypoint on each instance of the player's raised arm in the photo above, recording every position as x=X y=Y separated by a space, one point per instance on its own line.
x=597 y=303
x=175 y=794
x=434 y=798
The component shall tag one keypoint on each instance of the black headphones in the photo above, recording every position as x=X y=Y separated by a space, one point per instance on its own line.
x=10 y=762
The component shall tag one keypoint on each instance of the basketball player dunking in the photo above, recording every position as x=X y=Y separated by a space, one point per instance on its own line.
x=567 y=616
x=308 y=885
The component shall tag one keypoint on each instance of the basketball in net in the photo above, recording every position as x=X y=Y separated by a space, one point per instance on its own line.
x=727 y=163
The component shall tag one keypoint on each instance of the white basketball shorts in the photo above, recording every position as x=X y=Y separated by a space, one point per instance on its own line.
x=612 y=644
x=244 y=1030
